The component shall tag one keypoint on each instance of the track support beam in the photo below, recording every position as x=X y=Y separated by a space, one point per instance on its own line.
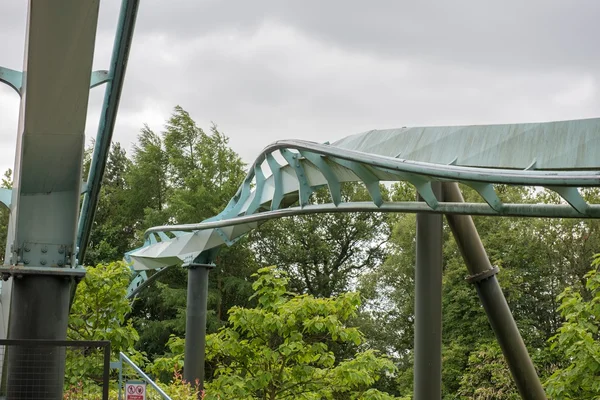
x=39 y=310
x=428 y=304
x=483 y=276
x=195 y=327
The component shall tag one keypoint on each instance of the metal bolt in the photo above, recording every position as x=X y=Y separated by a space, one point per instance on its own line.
x=60 y=263
x=43 y=261
x=27 y=248
x=25 y=261
x=45 y=249
x=61 y=249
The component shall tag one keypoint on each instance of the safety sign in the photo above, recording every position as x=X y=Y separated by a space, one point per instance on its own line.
x=135 y=391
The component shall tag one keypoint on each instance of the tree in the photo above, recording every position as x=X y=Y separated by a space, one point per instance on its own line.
x=538 y=259
x=99 y=312
x=577 y=342
x=147 y=178
x=324 y=254
x=278 y=350
x=100 y=308
x=113 y=224
x=203 y=171
x=185 y=175
x=487 y=376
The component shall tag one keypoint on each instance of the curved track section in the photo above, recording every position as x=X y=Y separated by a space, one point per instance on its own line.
x=282 y=179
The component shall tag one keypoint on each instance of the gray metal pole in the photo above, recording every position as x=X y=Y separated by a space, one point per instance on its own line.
x=428 y=305
x=493 y=300
x=39 y=310
x=195 y=327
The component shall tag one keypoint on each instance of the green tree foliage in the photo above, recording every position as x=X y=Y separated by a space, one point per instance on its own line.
x=486 y=376
x=324 y=254
x=99 y=312
x=576 y=343
x=538 y=258
x=204 y=172
x=185 y=175
x=147 y=177
x=100 y=308
x=278 y=350
x=113 y=223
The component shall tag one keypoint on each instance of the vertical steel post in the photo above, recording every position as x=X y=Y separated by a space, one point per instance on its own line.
x=34 y=316
x=428 y=305
x=195 y=327
x=493 y=300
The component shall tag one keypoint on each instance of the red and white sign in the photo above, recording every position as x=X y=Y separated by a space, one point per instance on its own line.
x=135 y=391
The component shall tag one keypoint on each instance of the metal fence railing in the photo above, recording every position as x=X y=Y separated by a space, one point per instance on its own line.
x=54 y=369
x=132 y=378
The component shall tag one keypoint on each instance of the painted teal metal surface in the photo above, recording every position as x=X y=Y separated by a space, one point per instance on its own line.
x=304 y=190
x=311 y=166
x=548 y=145
x=98 y=78
x=6 y=197
x=12 y=78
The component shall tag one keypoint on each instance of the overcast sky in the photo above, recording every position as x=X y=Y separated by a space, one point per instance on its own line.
x=322 y=70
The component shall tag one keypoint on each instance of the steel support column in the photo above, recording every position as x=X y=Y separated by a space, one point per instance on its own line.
x=428 y=305
x=493 y=300
x=38 y=317
x=195 y=326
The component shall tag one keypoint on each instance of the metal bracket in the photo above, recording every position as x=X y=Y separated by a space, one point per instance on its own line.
x=42 y=254
x=304 y=189
x=6 y=197
x=12 y=78
x=194 y=266
x=20 y=271
x=482 y=275
x=98 y=78
x=277 y=180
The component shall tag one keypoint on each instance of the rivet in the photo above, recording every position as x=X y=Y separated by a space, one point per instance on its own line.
x=43 y=261
x=27 y=248
x=60 y=263
x=45 y=249
x=25 y=261
x=61 y=249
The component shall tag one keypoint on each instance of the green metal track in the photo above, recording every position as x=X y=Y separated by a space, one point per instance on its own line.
x=306 y=166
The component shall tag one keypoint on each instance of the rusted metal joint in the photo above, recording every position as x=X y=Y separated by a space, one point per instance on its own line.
x=482 y=275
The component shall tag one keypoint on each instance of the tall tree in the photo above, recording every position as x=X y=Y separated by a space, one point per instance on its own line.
x=186 y=175
x=147 y=178
x=113 y=225
x=324 y=253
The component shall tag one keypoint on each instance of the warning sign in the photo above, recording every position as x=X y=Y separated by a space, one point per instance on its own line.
x=135 y=391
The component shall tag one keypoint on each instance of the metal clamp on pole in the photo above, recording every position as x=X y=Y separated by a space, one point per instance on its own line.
x=194 y=266
x=482 y=275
